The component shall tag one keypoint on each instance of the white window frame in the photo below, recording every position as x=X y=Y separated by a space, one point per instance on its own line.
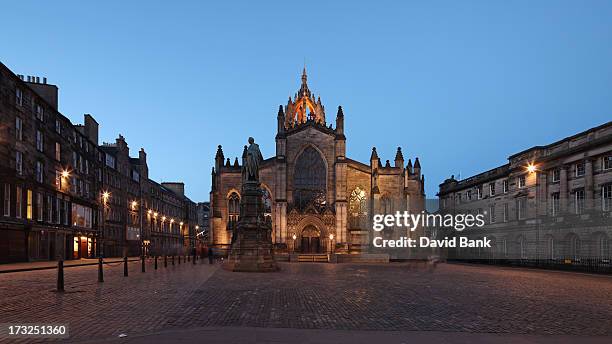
x=606 y=160
x=576 y=169
x=555 y=202
x=579 y=201
x=492 y=189
x=18 y=202
x=522 y=181
x=58 y=151
x=40 y=143
x=505 y=185
x=556 y=175
x=39 y=171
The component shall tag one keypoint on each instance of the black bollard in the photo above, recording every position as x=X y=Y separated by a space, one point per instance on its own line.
x=165 y=261
x=194 y=258
x=172 y=260
x=155 y=262
x=100 y=270
x=188 y=259
x=143 y=263
x=60 y=275
x=125 y=267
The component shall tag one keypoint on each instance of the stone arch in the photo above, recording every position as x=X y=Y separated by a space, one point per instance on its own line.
x=600 y=248
x=308 y=225
x=549 y=247
x=573 y=246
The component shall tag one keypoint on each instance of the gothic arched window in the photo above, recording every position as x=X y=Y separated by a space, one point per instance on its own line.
x=358 y=209
x=233 y=210
x=309 y=180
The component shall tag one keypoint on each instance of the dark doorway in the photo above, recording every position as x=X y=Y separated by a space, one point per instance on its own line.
x=311 y=242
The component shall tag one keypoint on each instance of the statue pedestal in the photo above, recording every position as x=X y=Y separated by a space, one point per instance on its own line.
x=252 y=249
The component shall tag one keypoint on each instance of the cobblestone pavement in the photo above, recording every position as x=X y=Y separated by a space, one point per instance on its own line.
x=391 y=297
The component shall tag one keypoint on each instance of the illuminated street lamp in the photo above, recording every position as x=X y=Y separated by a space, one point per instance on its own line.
x=134 y=205
x=531 y=168
x=331 y=243
x=294 y=237
x=65 y=174
x=105 y=197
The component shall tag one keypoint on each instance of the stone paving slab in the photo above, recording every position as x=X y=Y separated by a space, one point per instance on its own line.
x=393 y=297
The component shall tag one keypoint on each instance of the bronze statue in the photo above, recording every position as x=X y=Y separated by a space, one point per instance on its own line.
x=253 y=159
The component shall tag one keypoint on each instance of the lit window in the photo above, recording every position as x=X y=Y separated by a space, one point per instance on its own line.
x=29 y=204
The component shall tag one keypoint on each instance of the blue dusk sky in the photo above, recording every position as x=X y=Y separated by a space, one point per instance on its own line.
x=460 y=84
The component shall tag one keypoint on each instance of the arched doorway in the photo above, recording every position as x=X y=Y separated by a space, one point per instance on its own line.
x=311 y=240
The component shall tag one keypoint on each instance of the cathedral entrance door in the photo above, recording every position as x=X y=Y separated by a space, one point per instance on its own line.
x=310 y=239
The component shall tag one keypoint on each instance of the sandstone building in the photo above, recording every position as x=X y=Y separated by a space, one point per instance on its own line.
x=53 y=178
x=548 y=203
x=316 y=197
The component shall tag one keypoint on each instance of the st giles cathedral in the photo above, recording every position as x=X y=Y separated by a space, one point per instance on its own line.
x=316 y=197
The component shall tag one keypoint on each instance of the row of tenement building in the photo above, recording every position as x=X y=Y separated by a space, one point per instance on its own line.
x=63 y=195
x=550 y=204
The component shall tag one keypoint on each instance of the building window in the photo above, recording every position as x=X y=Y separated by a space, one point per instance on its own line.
x=58 y=126
x=505 y=212
x=49 y=209
x=57 y=210
x=19 y=162
x=358 y=209
x=505 y=187
x=606 y=197
x=7 y=199
x=39 y=140
x=39 y=172
x=39 y=206
x=579 y=169
x=555 y=203
x=110 y=161
x=556 y=175
x=521 y=208
x=18 y=129
x=468 y=194
x=492 y=189
x=579 y=201
x=58 y=151
x=521 y=181
x=39 y=111
x=479 y=192
x=18 y=97
x=233 y=206
x=492 y=213
x=81 y=216
x=29 y=204
x=607 y=162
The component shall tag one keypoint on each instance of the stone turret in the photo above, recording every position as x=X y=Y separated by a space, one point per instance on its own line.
x=374 y=160
x=399 y=158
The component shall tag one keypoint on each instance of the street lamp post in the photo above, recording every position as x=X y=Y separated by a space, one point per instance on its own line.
x=294 y=237
x=331 y=243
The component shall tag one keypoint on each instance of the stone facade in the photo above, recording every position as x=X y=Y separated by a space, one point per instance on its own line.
x=53 y=177
x=317 y=198
x=551 y=202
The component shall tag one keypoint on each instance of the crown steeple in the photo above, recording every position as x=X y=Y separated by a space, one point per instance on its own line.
x=304 y=106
